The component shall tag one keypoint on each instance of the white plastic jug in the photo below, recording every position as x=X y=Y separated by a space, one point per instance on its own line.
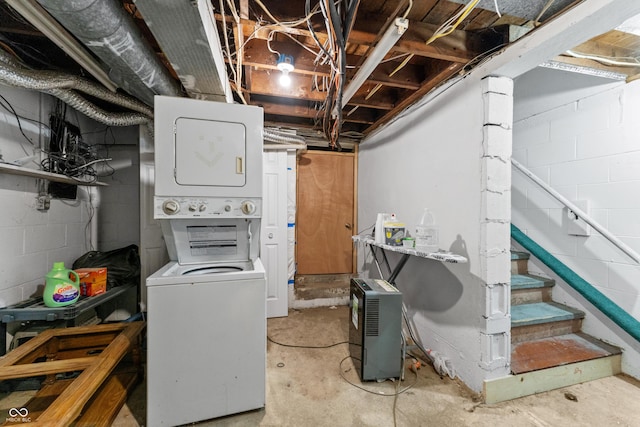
x=427 y=233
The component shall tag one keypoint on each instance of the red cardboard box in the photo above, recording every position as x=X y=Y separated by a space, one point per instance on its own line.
x=93 y=281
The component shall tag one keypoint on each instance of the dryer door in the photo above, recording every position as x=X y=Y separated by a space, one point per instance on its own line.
x=210 y=153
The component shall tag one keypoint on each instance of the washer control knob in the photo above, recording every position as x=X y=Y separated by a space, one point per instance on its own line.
x=248 y=207
x=227 y=208
x=193 y=207
x=170 y=207
x=202 y=208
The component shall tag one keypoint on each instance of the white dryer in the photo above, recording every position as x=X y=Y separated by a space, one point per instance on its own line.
x=206 y=330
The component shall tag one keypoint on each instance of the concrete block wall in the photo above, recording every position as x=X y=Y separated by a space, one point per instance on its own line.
x=31 y=239
x=438 y=156
x=584 y=141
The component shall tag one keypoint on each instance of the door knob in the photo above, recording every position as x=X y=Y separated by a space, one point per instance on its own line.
x=347 y=226
x=270 y=235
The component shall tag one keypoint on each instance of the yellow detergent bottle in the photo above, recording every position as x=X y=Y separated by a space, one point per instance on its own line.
x=59 y=288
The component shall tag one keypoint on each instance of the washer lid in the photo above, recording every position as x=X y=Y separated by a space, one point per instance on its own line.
x=212 y=270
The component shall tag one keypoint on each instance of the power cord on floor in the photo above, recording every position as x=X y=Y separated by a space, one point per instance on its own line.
x=378 y=393
x=307 y=346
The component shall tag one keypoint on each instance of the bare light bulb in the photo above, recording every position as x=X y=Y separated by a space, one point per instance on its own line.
x=285 y=64
x=285 y=79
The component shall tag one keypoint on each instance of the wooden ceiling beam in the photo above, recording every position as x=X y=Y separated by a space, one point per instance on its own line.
x=360 y=116
x=459 y=46
x=256 y=54
x=265 y=82
x=440 y=74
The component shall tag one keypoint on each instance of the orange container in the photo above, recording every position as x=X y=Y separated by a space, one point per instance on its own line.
x=93 y=281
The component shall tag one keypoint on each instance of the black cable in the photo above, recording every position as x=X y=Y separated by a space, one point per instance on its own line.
x=11 y=109
x=308 y=346
x=307 y=9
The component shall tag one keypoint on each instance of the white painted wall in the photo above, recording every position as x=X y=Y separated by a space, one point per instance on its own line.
x=120 y=201
x=32 y=240
x=433 y=157
x=581 y=135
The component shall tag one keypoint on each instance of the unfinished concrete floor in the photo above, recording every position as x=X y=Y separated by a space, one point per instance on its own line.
x=304 y=388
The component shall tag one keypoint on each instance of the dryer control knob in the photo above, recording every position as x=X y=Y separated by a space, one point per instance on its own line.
x=227 y=208
x=193 y=207
x=202 y=208
x=248 y=207
x=171 y=207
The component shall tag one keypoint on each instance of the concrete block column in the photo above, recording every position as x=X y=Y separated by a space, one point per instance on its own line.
x=497 y=94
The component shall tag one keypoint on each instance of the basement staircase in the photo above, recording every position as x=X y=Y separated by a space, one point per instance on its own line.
x=548 y=349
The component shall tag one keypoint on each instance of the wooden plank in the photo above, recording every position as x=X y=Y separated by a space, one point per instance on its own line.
x=257 y=55
x=360 y=116
x=555 y=351
x=514 y=386
x=49 y=176
x=451 y=48
x=101 y=409
x=432 y=82
x=266 y=83
x=45 y=368
x=35 y=347
x=104 y=406
x=68 y=405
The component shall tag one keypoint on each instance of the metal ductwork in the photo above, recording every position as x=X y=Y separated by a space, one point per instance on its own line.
x=532 y=9
x=64 y=87
x=110 y=33
x=186 y=33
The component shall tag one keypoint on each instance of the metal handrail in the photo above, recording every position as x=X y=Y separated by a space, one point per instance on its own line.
x=579 y=213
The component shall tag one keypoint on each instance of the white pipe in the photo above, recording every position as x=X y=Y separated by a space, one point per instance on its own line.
x=578 y=212
x=94 y=202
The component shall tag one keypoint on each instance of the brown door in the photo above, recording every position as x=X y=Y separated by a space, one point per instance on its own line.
x=325 y=213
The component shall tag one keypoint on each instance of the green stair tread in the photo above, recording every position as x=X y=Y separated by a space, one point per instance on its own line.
x=529 y=281
x=542 y=312
x=558 y=351
x=515 y=255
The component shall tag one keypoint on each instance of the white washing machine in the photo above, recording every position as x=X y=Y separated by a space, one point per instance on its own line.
x=206 y=341
x=206 y=329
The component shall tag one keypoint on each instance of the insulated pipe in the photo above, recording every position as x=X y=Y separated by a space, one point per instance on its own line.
x=13 y=74
x=87 y=108
x=620 y=317
x=110 y=33
x=282 y=138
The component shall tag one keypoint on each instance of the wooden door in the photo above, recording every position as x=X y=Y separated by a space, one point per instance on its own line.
x=325 y=213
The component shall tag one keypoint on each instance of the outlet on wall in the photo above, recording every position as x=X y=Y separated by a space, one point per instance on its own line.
x=43 y=202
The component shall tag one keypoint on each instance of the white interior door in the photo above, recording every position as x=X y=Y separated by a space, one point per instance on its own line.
x=153 y=251
x=273 y=238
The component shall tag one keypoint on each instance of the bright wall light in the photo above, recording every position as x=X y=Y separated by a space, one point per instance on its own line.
x=285 y=64
x=388 y=40
x=40 y=18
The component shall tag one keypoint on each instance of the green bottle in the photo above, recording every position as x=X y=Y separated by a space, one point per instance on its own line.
x=59 y=289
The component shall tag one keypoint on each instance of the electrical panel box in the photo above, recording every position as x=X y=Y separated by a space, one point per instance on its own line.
x=375 y=328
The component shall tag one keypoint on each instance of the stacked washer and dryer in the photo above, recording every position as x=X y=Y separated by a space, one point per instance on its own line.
x=206 y=332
